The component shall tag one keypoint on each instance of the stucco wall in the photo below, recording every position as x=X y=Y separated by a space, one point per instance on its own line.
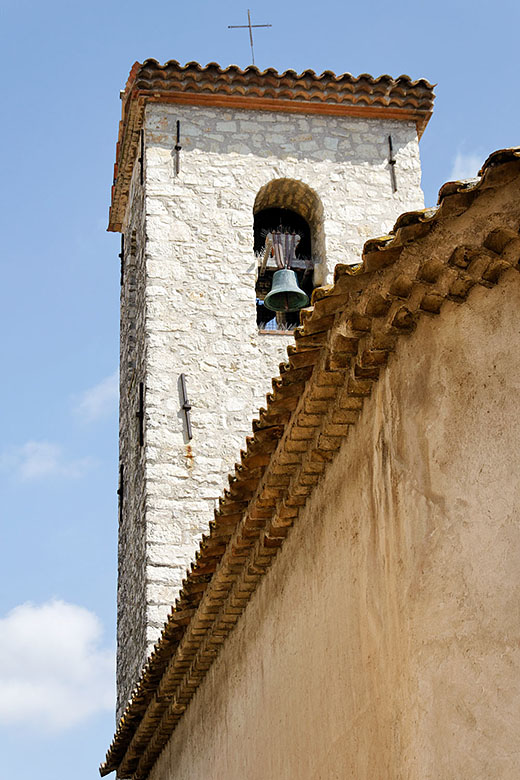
x=384 y=641
x=196 y=314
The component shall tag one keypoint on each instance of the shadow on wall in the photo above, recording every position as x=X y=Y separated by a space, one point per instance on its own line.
x=262 y=134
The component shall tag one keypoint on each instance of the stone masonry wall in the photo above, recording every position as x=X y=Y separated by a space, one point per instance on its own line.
x=198 y=312
x=131 y=591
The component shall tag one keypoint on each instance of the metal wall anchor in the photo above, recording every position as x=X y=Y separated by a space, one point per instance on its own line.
x=186 y=407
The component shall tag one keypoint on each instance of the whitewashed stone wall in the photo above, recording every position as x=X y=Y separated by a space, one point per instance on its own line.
x=196 y=313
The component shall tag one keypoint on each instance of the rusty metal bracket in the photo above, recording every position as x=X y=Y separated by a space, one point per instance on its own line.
x=141 y=158
x=178 y=148
x=140 y=414
x=392 y=162
x=186 y=407
x=121 y=491
x=122 y=258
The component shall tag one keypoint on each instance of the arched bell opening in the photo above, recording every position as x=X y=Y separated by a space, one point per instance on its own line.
x=285 y=219
x=288 y=237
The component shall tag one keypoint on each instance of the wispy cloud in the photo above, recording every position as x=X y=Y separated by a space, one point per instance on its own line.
x=36 y=460
x=54 y=673
x=100 y=400
x=466 y=166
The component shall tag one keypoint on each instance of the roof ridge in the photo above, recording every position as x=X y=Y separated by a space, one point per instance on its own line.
x=307 y=73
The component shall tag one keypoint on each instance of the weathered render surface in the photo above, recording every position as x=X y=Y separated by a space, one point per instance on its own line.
x=384 y=641
x=192 y=295
x=357 y=590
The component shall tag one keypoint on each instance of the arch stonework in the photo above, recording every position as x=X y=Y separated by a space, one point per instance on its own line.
x=297 y=196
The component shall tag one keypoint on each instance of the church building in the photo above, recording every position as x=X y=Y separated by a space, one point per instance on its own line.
x=344 y=603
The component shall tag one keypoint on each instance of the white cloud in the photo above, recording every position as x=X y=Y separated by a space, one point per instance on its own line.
x=41 y=459
x=53 y=672
x=465 y=166
x=99 y=400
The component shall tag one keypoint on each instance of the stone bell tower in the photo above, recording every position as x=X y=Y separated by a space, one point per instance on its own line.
x=211 y=164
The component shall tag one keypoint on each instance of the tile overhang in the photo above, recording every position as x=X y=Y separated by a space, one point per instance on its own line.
x=399 y=99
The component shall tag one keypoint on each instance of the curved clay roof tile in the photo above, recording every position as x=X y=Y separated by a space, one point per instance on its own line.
x=288 y=91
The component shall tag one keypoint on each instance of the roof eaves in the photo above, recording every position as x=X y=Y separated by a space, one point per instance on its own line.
x=193 y=84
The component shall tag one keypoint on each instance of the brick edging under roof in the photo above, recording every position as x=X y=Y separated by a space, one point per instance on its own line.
x=318 y=396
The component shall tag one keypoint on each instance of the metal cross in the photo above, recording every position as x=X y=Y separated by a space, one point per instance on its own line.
x=250 y=27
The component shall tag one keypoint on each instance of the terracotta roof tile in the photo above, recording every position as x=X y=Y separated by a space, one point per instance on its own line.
x=339 y=352
x=193 y=78
x=400 y=98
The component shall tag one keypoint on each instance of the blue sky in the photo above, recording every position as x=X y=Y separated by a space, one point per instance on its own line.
x=64 y=64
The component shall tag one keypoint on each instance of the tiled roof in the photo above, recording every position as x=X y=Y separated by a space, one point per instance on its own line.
x=268 y=90
x=340 y=349
x=345 y=89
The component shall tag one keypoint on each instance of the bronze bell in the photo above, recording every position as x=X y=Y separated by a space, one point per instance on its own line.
x=285 y=295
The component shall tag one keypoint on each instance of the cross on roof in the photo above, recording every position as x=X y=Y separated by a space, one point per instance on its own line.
x=250 y=27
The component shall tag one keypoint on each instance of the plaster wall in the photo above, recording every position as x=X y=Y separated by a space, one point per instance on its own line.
x=384 y=641
x=196 y=303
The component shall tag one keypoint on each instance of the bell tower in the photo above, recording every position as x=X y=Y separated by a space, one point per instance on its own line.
x=224 y=177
